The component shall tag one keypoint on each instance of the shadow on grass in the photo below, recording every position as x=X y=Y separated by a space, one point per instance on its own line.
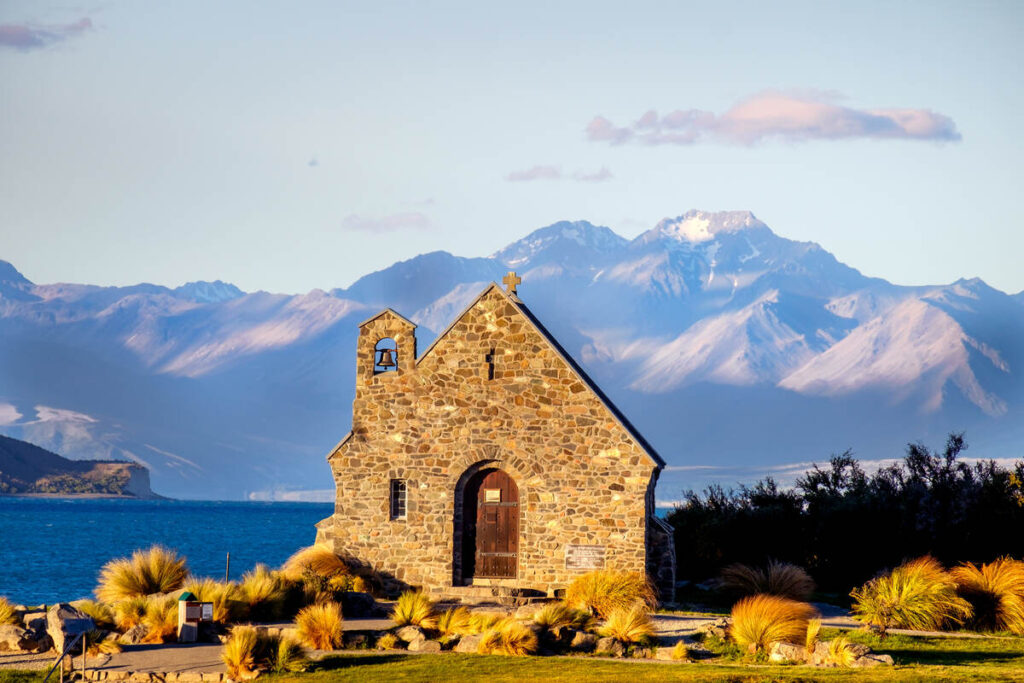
x=336 y=662
x=948 y=657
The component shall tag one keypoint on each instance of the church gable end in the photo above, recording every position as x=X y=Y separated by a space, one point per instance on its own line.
x=512 y=466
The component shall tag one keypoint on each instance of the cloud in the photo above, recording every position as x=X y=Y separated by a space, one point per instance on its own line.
x=773 y=115
x=555 y=173
x=535 y=173
x=408 y=220
x=29 y=36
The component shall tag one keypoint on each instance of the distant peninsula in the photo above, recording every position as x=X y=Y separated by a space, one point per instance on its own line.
x=28 y=470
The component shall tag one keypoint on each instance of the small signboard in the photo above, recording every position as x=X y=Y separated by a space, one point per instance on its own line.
x=584 y=557
x=492 y=495
x=207 y=611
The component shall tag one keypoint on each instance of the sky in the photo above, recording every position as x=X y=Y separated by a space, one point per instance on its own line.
x=293 y=146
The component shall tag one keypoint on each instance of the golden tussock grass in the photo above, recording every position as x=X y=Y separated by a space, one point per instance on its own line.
x=841 y=652
x=7 y=613
x=316 y=559
x=759 y=620
x=414 y=608
x=681 y=653
x=286 y=655
x=485 y=621
x=778 y=578
x=100 y=642
x=155 y=570
x=811 y=639
x=224 y=596
x=129 y=613
x=388 y=641
x=453 y=621
x=995 y=592
x=161 y=620
x=320 y=626
x=629 y=626
x=509 y=637
x=101 y=613
x=919 y=594
x=239 y=653
x=263 y=592
x=605 y=590
x=560 y=615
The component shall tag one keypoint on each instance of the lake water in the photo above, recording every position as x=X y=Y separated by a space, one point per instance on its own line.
x=52 y=549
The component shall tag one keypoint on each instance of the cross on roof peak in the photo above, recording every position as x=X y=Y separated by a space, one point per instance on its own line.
x=511 y=281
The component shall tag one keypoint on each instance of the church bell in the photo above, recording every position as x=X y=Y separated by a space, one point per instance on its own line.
x=384 y=359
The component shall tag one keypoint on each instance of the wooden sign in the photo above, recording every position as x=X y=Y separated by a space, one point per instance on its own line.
x=584 y=557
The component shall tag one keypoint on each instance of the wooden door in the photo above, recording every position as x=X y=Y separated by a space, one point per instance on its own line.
x=497 y=527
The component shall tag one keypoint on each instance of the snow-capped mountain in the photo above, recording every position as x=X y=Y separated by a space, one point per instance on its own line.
x=729 y=346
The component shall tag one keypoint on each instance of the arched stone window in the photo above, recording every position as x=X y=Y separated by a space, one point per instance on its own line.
x=385 y=356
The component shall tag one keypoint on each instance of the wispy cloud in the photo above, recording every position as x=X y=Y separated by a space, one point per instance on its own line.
x=30 y=36
x=408 y=220
x=773 y=115
x=555 y=173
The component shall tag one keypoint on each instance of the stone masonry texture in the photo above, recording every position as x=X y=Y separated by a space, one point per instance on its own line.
x=583 y=478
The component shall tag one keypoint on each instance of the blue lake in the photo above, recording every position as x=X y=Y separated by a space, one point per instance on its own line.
x=52 y=549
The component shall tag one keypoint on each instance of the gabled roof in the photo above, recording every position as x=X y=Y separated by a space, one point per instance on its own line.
x=560 y=351
x=392 y=312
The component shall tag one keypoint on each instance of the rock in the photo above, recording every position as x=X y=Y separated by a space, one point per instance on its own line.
x=642 y=653
x=356 y=605
x=424 y=646
x=411 y=633
x=527 y=611
x=865 y=661
x=469 y=643
x=718 y=628
x=64 y=622
x=583 y=642
x=35 y=621
x=610 y=646
x=355 y=640
x=787 y=652
x=664 y=654
x=133 y=636
x=17 y=639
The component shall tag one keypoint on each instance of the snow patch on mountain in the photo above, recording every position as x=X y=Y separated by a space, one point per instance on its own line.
x=208 y=292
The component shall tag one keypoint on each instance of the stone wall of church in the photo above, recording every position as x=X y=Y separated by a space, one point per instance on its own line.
x=582 y=479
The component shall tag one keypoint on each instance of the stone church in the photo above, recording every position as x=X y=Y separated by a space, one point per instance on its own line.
x=491 y=459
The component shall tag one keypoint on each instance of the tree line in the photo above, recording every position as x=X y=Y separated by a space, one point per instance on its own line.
x=845 y=525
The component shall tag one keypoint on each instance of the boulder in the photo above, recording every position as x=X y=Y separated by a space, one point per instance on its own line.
x=424 y=646
x=355 y=605
x=610 y=646
x=583 y=642
x=787 y=652
x=355 y=641
x=469 y=643
x=134 y=635
x=872 y=660
x=35 y=621
x=64 y=622
x=16 y=639
x=642 y=653
x=718 y=628
x=411 y=633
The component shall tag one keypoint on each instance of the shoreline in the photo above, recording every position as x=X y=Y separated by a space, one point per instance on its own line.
x=86 y=496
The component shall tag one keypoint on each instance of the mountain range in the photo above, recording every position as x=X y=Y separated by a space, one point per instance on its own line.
x=736 y=351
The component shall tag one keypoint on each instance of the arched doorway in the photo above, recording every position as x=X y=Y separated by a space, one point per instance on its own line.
x=490 y=539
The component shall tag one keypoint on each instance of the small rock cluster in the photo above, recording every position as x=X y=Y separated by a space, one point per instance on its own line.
x=40 y=629
x=862 y=656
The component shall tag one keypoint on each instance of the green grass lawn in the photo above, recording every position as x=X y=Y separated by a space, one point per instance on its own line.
x=917 y=659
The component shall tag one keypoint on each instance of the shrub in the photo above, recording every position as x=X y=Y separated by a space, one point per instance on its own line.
x=681 y=653
x=602 y=591
x=632 y=626
x=995 y=592
x=130 y=612
x=160 y=620
x=388 y=641
x=224 y=596
x=414 y=608
x=811 y=640
x=101 y=613
x=479 y=622
x=361 y=585
x=559 y=615
x=316 y=559
x=778 y=578
x=100 y=642
x=841 y=652
x=7 y=613
x=759 y=620
x=156 y=570
x=320 y=626
x=239 y=653
x=919 y=594
x=453 y=622
x=263 y=592
x=287 y=656
x=508 y=638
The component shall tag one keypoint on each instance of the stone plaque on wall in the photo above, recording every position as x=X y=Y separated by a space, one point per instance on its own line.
x=584 y=557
